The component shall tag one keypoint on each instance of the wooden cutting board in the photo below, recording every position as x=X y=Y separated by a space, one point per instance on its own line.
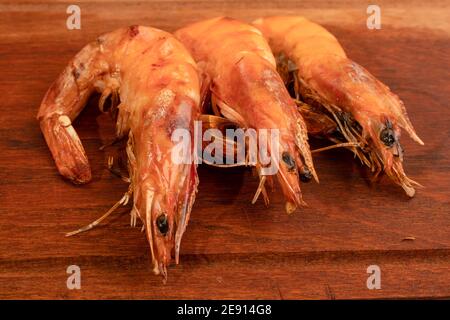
x=231 y=249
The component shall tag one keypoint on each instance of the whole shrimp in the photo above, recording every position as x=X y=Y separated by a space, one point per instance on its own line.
x=238 y=73
x=157 y=83
x=338 y=98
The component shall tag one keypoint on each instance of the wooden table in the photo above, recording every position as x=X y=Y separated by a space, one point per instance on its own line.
x=232 y=249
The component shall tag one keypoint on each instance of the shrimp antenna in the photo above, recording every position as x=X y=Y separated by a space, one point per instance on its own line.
x=122 y=201
x=338 y=145
x=260 y=189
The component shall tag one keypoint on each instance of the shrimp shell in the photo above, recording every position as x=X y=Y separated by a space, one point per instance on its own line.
x=156 y=81
x=238 y=70
x=338 y=90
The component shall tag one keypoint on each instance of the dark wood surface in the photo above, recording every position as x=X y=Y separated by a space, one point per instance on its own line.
x=231 y=249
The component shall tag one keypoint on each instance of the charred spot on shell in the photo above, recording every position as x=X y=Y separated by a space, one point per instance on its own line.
x=158 y=64
x=76 y=74
x=100 y=40
x=288 y=160
x=133 y=31
x=305 y=174
x=226 y=18
x=162 y=223
x=77 y=70
x=239 y=60
x=387 y=135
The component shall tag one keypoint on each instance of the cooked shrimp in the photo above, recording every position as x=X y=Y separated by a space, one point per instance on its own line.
x=157 y=83
x=239 y=73
x=337 y=90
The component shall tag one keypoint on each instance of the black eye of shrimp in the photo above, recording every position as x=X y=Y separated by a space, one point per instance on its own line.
x=305 y=175
x=288 y=160
x=388 y=137
x=162 y=224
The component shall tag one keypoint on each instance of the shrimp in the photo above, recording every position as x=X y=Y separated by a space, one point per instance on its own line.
x=155 y=82
x=238 y=72
x=339 y=99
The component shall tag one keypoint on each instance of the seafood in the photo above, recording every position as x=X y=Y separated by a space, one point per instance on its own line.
x=154 y=88
x=339 y=99
x=238 y=72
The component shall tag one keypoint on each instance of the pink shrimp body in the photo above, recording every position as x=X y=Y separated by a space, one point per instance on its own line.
x=239 y=69
x=365 y=111
x=158 y=85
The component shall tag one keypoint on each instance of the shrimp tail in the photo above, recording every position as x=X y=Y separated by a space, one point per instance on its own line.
x=66 y=148
x=61 y=104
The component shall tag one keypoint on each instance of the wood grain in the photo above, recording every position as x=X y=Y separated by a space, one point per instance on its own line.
x=232 y=249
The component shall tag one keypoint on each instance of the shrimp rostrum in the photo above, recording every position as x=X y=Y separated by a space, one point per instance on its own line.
x=239 y=76
x=154 y=82
x=339 y=99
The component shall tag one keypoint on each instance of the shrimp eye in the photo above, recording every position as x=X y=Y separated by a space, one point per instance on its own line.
x=305 y=175
x=162 y=224
x=288 y=160
x=388 y=137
